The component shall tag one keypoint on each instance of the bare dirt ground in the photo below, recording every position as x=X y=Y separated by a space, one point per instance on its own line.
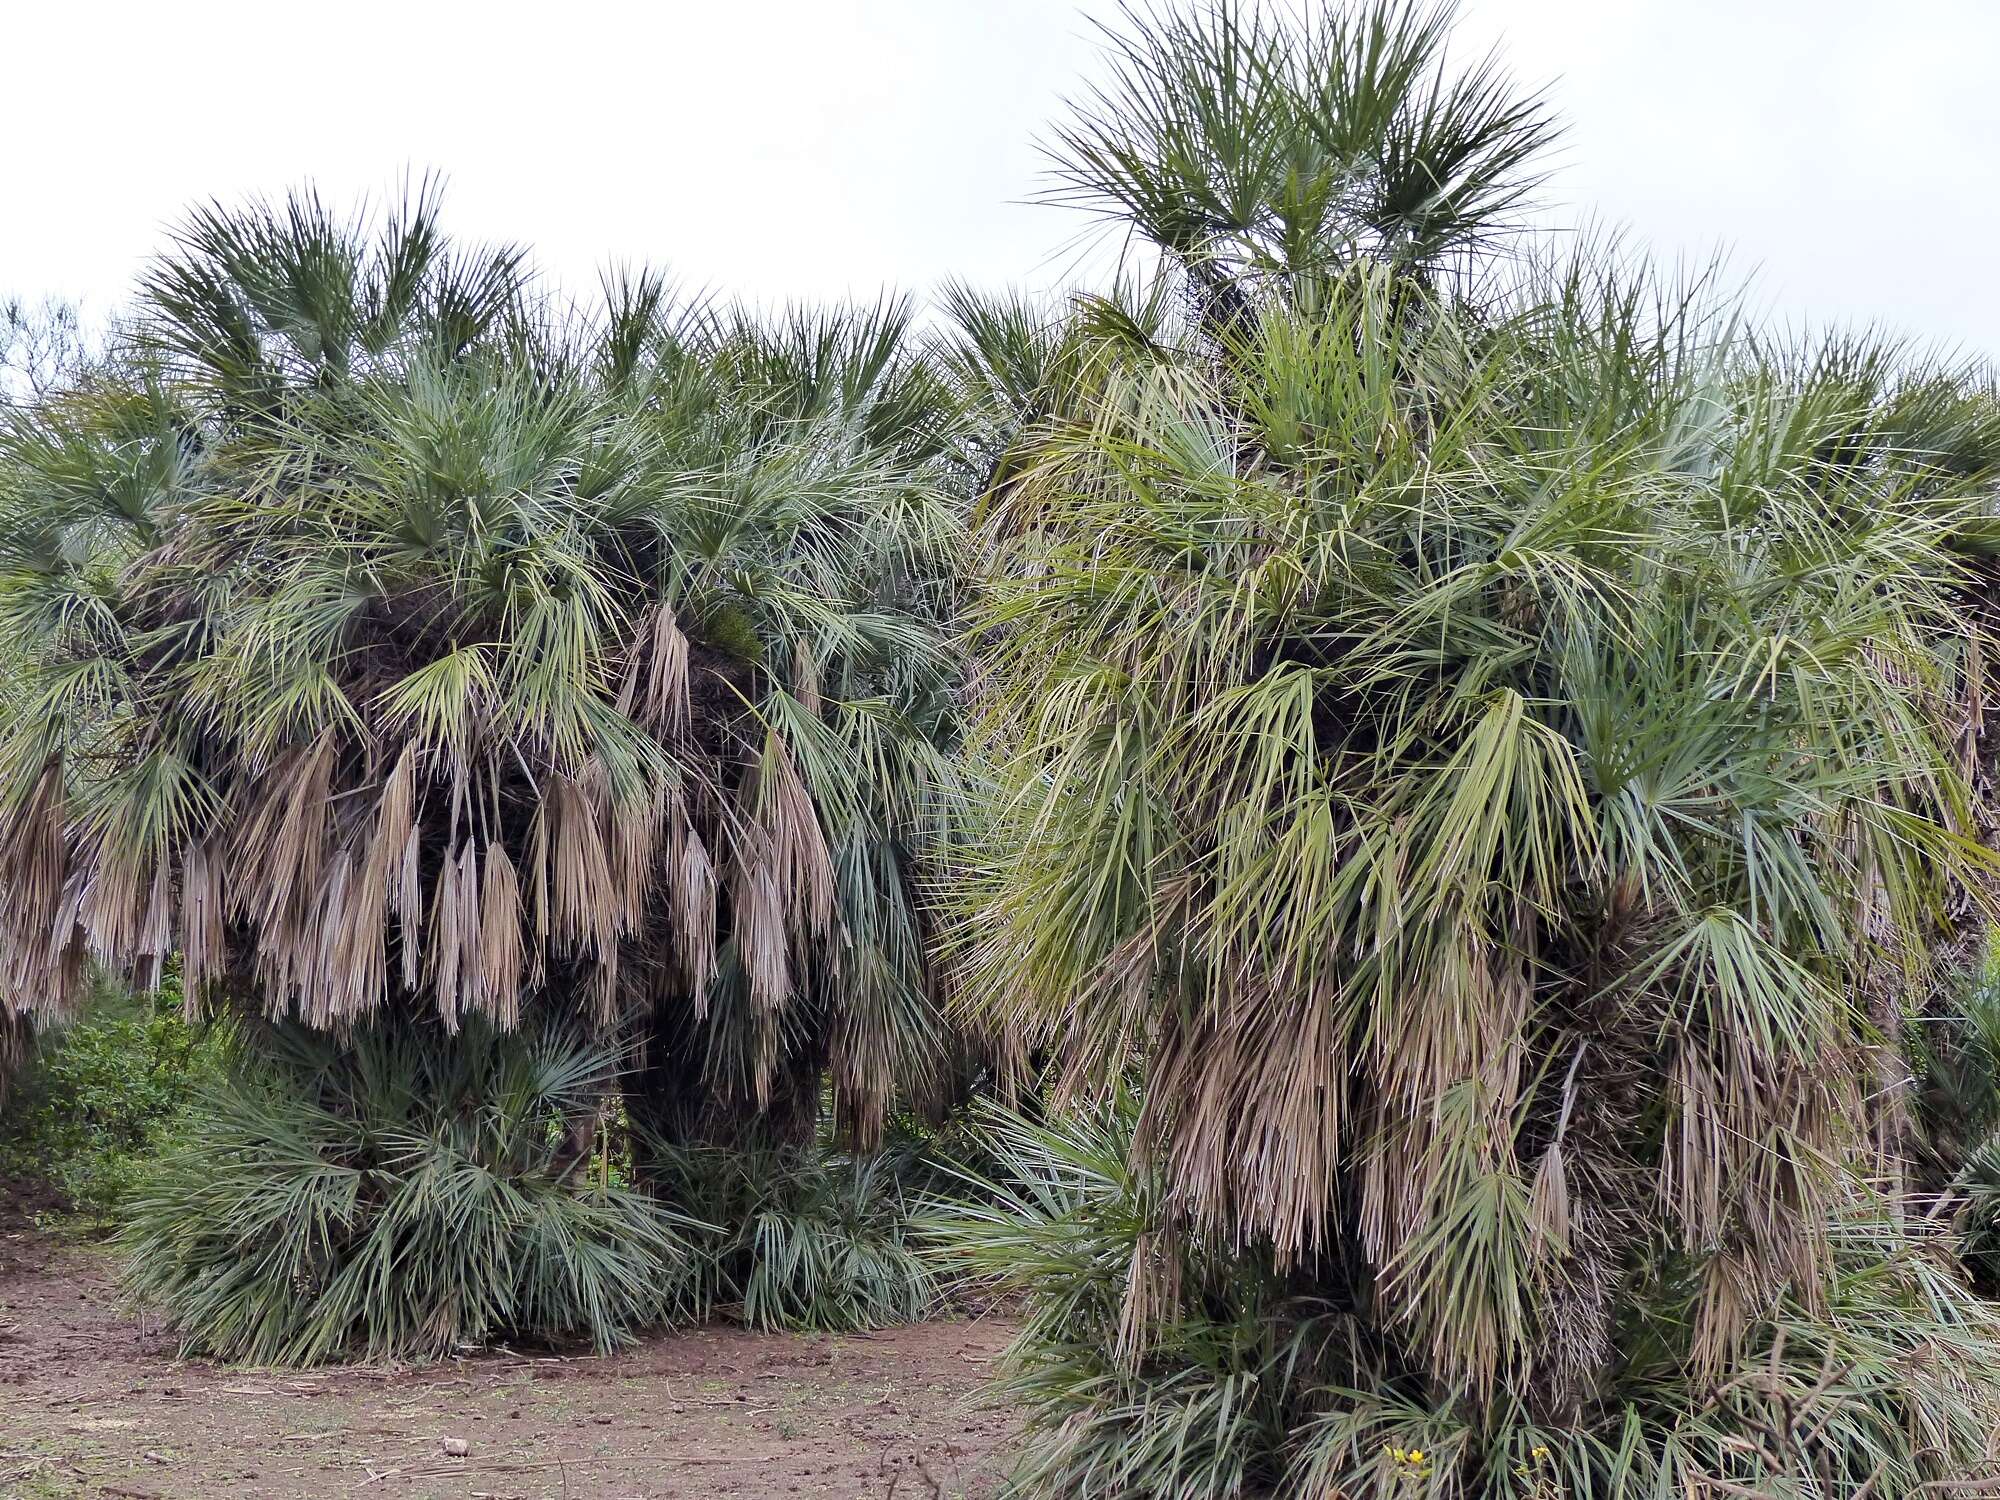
x=93 y=1403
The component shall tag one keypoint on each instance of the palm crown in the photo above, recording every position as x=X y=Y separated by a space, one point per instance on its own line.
x=397 y=640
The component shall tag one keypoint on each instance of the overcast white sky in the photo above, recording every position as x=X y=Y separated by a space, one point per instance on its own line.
x=1842 y=150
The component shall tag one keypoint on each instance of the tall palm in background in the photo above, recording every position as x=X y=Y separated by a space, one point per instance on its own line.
x=398 y=641
x=1469 y=734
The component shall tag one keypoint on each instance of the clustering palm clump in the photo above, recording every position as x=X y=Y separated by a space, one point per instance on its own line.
x=1440 y=778
x=1470 y=735
x=401 y=643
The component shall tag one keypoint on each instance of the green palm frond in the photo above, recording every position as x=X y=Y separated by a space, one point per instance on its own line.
x=1254 y=141
x=338 y=1198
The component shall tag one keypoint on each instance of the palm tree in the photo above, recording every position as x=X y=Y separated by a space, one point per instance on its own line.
x=1468 y=742
x=41 y=348
x=400 y=641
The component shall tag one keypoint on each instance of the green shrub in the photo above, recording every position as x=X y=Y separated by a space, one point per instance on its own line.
x=97 y=1097
x=400 y=1193
x=800 y=1238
